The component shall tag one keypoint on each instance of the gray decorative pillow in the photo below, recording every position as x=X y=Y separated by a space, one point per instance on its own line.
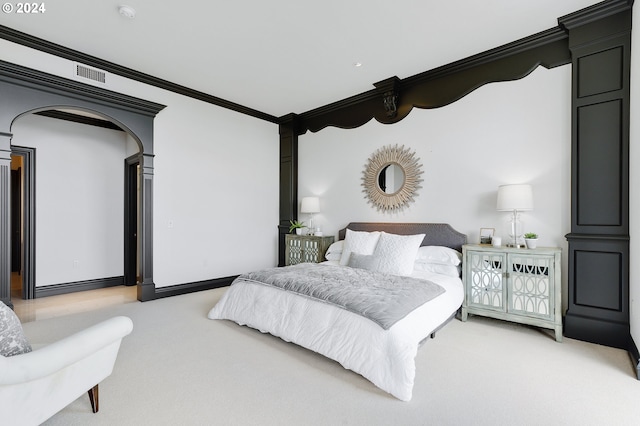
x=12 y=340
x=364 y=261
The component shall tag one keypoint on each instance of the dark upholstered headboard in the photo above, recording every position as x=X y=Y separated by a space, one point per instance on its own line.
x=436 y=234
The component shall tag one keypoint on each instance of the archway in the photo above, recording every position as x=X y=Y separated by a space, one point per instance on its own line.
x=25 y=90
x=74 y=202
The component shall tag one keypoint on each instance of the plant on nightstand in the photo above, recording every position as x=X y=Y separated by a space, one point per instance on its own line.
x=531 y=239
x=297 y=226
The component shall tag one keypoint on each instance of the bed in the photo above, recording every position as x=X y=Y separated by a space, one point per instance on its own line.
x=416 y=257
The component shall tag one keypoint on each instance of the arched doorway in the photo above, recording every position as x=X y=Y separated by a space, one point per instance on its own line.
x=67 y=217
x=25 y=90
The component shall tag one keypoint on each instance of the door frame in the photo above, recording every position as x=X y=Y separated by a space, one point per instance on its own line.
x=131 y=219
x=28 y=219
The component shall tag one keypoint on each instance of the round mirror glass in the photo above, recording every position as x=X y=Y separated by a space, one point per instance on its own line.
x=391 y=178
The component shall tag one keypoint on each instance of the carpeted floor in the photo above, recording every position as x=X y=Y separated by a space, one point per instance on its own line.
x=180 y=368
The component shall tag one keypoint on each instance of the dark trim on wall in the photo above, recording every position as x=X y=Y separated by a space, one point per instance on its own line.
x=35 y=79
x=288 y=209
x=594 y=13
x=146 y=288
x=599 y=243
x=162 y=292
x=42 y=45
x=5 y=226
x=28 y=155
x=441 y=86
x=64 y=288
x=81 y=119
x=176 y=290
x=131 y=220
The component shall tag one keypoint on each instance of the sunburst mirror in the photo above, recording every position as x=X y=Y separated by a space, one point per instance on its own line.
x=391 y=178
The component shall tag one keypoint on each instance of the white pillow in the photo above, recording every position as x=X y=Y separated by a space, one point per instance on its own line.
x=12 y=339
x=439 y=254
x=364 y=261
x=334 y=252
x=438 y=268
x=358 y=242
x=397 y=253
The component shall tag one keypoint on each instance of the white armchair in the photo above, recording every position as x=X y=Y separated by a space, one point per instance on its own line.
x=36 y=385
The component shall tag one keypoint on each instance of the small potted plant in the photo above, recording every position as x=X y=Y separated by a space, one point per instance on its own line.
x=297 y=226
x=531 y=239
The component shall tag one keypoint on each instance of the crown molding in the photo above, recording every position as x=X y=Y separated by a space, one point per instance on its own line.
x=594 y=13
x=42 y=45
x=17 y=74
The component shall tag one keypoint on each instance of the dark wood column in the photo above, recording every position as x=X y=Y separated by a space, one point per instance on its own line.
x=147 y=289
x=5 y=220
x=598 y=305
x=288 y=179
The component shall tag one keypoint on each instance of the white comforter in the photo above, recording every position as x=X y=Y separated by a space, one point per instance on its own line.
x=384 y=357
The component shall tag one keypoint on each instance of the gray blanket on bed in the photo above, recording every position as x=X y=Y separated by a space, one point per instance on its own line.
x=382 y=298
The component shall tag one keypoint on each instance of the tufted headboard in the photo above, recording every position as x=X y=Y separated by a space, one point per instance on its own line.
x=436 y=234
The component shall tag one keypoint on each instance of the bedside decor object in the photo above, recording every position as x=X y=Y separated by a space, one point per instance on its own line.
x=391 y=178
x=486 y=235
x=515 y=198
x=496 y=241
x=531 y=239
x=296 y=226
x=310 y=205
x=514 y=285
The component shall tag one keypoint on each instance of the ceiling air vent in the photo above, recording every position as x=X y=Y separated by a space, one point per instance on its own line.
x=90 y=73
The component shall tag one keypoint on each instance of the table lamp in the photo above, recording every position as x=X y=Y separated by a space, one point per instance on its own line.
x=515 y=198
x=310 y=205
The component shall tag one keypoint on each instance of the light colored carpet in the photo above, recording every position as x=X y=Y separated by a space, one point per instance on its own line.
x=180 y=368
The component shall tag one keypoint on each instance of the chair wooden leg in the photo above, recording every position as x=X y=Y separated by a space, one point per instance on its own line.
x=93 y=397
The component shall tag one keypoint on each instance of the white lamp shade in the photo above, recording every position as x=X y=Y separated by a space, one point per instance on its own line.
x=514 y=197
x=310 y=205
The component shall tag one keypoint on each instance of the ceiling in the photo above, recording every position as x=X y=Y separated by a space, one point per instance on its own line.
x=283 y=56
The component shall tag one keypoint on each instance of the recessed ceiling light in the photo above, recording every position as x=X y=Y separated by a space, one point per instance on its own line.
x=127 y=11
x=357 y=64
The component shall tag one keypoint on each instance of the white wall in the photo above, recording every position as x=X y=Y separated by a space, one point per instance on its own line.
x=79 y=198
x=215 y=180
x=216 y=184
x=634 y=201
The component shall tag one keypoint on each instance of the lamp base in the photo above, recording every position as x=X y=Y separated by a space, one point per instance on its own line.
x=516 y=245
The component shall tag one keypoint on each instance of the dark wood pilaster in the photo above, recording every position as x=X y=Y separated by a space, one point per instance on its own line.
x=288 y=179
x=5 y=219
x=146 y=290
x=600 y=44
